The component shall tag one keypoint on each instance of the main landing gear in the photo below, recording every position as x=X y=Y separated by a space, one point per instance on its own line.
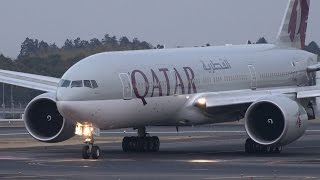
x=141 y=143
x=88 y=131
x=253 y=147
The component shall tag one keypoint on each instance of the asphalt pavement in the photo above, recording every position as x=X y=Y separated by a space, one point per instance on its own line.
x=207 y=152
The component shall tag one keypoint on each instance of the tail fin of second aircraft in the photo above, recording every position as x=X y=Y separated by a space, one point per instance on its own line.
x=294 y=25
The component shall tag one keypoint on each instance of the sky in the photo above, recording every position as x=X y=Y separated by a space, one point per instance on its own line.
x=169 y=22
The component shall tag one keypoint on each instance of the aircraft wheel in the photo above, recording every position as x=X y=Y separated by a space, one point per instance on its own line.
x=145 y=144
x=156 y=143
x=86 y=152
x=278 y=149
x=95 y=151
x=126 y=144
x=140 y=143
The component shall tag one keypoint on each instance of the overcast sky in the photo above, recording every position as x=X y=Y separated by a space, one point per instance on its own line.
x=170 y=22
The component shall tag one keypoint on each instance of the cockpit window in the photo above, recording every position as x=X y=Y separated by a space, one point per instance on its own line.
x=76 y=84
x=94 y=84
x=87 y=83
x=61 y=82
x=64 y=83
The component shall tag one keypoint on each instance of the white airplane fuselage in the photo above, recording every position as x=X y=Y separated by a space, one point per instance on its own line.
x=152 y=87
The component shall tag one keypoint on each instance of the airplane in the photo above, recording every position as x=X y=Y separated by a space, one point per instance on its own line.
x=273 y=87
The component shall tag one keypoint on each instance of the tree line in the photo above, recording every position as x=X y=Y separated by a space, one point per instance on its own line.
x=311 y=47
x=40 y=57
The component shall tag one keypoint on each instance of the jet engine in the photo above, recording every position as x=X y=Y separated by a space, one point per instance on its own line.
x=275 y=121
x=44 y=122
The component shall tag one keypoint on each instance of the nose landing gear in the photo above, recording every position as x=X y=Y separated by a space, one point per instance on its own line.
x=88 y=131
x=90 y=150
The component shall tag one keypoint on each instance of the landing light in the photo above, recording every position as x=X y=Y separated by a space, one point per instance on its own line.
x=87 y=131
x=84 y=130
x=201 y=102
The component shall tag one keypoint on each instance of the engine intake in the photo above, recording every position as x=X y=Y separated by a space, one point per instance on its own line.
x=44 y=122
x=276 y=120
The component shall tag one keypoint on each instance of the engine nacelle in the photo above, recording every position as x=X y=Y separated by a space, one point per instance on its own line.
x=276 y=120
x=44 y=122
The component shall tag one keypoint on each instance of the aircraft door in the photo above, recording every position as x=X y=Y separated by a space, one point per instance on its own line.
x=253 y=77
x=126 y=86
x=299 y=73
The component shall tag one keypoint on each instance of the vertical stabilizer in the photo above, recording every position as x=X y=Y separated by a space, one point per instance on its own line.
x=294 y=25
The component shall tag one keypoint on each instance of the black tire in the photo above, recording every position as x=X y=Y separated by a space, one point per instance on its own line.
x=140 y=143
x=95 y=152
x=269 y=149
x=145 y=144
x=129 y=144
x=156 y=143
x=258 y=148
x=264 y=149
x=150 y=144
x=278 y=149
x=125 y=144
x=85 y=152
x=133 y=144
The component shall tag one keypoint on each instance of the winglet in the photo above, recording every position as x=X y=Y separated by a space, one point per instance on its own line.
x=294 y=25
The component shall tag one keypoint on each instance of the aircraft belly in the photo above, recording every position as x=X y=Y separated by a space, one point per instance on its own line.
x=112 y=114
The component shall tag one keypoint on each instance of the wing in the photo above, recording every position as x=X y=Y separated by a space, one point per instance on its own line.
x=227 y=98
x=215 y=107
x=32 y=81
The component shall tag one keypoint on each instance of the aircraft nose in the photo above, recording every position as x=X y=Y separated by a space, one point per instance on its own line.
x=60 y=94
x=68 y=110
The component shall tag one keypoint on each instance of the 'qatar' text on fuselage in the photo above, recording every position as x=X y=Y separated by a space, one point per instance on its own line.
x=164 y=73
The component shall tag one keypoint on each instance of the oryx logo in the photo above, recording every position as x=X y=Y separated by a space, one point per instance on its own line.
x=299 y=20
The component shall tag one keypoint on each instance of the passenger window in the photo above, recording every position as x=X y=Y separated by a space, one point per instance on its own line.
x=94 y=84
x=76 y=84
x=87 y=83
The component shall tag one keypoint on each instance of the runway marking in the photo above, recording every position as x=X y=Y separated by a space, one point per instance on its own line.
x=155 y=132
x=198 y=161
x=200 y=169
x=12 y=158
x=302 y=147
x=14 y=134
x=173 y=132
x=261 y=177
x=313 y=130
x=185 y=132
